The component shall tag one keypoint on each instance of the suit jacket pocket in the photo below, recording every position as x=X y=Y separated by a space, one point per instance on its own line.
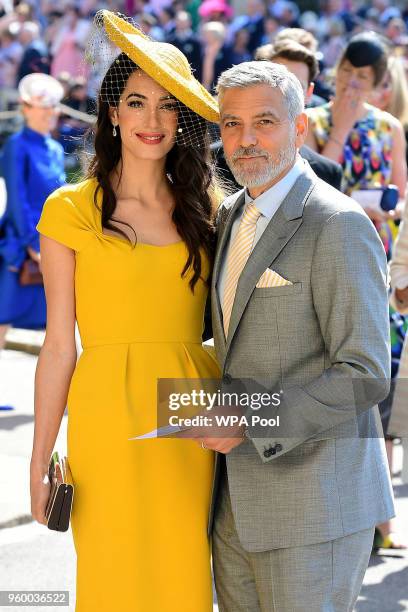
x=270 y=292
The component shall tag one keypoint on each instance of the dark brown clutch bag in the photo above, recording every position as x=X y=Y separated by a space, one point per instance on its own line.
x=30 y=273
x=58 y=510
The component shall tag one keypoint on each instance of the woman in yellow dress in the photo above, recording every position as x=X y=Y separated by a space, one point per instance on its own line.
x=127 y=254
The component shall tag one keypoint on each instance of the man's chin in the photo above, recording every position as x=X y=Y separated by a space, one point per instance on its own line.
x=249 y=180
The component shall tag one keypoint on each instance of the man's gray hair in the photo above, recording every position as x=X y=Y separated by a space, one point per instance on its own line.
x=253 y=73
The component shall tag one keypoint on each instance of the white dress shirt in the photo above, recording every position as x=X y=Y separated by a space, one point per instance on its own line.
x=267 y=203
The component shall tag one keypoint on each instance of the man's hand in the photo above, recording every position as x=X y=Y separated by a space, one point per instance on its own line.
x=224 y=445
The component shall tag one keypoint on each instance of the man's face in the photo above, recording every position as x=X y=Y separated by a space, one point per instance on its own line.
x=301 y=71
x=183 y=23
x=260 y=141
x=253 y=7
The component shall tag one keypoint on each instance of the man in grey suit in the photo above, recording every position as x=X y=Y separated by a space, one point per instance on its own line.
x=299 y=304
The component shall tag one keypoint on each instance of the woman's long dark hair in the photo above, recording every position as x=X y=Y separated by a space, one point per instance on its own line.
x=192 y=179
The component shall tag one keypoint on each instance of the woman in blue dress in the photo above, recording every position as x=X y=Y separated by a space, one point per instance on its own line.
x=33 y=167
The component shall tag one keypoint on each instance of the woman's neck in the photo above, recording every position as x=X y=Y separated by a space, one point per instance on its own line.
x=140 y=179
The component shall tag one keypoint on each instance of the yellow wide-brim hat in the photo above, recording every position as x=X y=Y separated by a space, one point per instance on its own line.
x=164 y=63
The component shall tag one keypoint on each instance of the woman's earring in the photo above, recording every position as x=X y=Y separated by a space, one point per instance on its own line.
x=114 y=132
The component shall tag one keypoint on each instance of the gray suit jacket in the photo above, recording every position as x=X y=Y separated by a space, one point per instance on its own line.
x=313 y=339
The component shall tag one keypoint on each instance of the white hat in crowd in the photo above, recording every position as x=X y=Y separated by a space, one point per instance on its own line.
x=40 y=90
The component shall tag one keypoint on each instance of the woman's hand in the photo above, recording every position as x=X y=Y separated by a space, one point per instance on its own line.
x=382 y=216
x=397 y=213
x=345 y=111
x=35 y=256
x=40 y=492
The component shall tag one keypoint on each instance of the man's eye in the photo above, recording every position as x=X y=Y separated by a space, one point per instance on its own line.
x=266 y=122
x=230 y=124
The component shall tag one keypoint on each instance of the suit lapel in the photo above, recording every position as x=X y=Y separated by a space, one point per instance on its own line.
x=277 y=234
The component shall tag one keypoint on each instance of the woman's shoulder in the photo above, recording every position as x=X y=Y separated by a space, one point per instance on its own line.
x=79 y=197
x=81 y=194
x=319 y=116
x=69 y=214
x=383 y=118
x=15 y=143
x=19 y=147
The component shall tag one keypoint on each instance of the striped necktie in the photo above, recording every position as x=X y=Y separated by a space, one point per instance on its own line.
x=237 y=258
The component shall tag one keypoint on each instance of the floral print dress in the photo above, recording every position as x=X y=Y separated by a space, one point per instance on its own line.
x=366 y=157
x=367 y=164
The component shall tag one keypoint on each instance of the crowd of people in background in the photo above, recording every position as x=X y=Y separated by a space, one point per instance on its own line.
x=324 y=44
x=50 y=37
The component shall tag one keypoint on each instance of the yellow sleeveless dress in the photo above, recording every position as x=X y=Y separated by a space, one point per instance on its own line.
x=141 y=507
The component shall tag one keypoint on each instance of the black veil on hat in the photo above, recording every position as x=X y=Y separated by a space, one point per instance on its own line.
x=118 y=47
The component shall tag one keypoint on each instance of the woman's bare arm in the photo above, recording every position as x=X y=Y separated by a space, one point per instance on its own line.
x=333 y=149
x=399 y=166
x=399 y=267
x=56 y=363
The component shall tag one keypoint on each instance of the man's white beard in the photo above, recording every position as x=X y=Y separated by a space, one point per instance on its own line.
x=249 y=175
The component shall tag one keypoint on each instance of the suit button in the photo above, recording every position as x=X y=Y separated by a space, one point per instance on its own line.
x=278 y=448
x=267 y=453
x=227 y=379
x=272 y=451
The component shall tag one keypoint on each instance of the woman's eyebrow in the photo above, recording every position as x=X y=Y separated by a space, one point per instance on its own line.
x=142 y=97
x=136 y=95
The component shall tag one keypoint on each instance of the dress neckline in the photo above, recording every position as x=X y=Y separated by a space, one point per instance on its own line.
x=144 y=244
x=118 y=239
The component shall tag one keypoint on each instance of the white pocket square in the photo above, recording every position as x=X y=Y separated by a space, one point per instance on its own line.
x=272 y=279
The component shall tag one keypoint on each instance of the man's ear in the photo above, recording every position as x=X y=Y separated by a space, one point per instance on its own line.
x=309 y=93
x=301 y=129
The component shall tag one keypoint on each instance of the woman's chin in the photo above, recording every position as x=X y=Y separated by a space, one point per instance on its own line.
x=150 y=153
